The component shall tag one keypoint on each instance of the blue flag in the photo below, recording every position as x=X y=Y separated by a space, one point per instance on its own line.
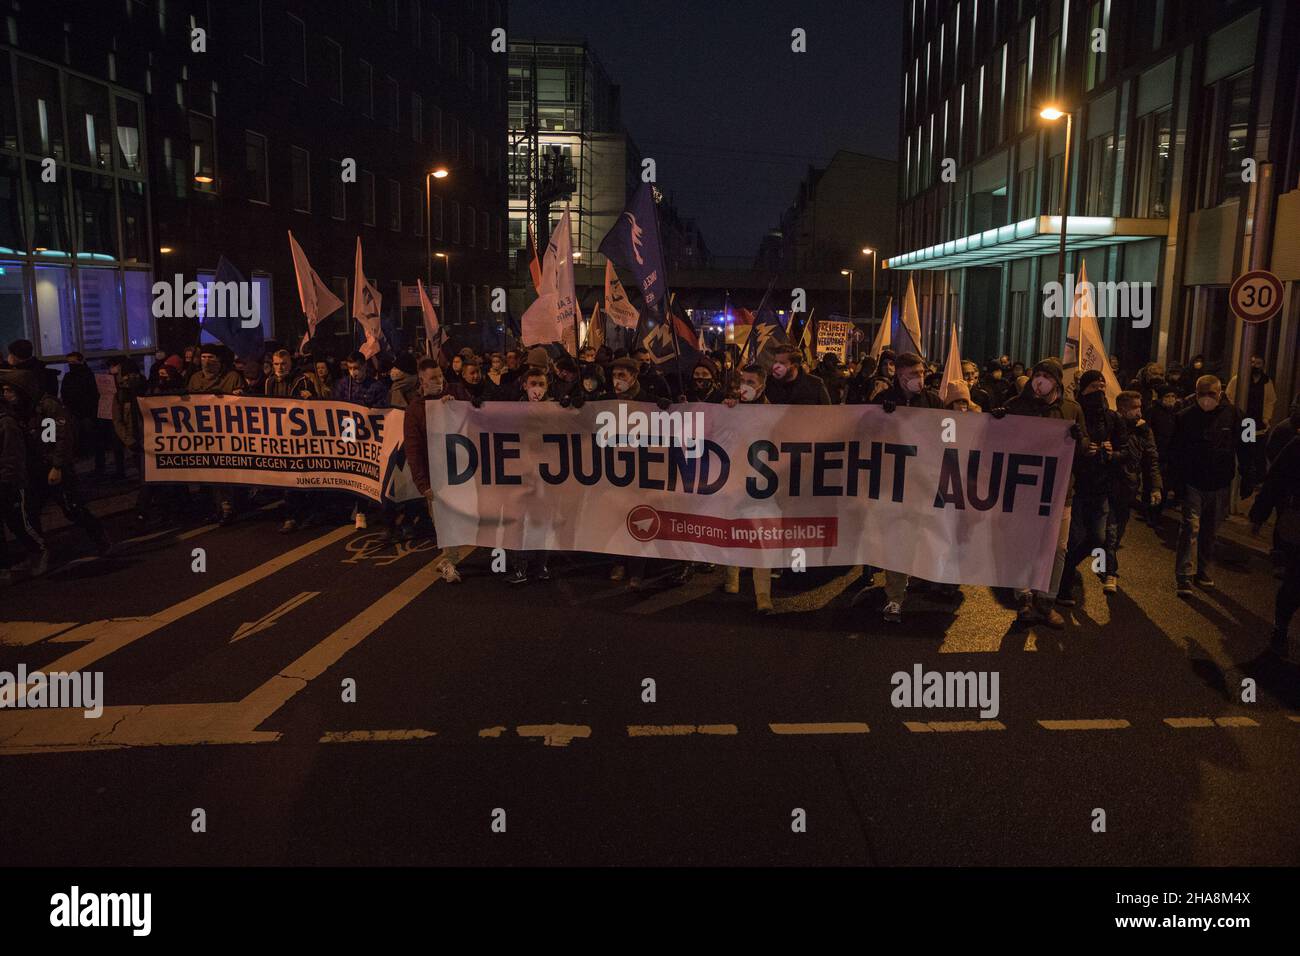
x=768 y=333
x=633 y=243
x=230 y=300
x=659 y=342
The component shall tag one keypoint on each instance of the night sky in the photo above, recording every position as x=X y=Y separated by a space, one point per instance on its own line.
x=732 y=117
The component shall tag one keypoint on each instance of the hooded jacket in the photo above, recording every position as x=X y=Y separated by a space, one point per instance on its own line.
x=80 y=392
x=13 y=450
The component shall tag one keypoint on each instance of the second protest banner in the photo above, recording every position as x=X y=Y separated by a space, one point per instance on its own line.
x=280 y=442
x=959 y=498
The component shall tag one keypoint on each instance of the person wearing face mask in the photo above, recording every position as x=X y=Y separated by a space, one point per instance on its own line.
x=433 y=383
x=1205 y=455
x=704 y=385
x=1136 y=479
x=753 y=381
x=1043 y=396
x=593 y=383
x=1161 y=417
x=652 y=381
x=624 y=376
x=536 y=390
x=1094 y=479
x=908 y=388
x=996 y=385
x=788 y=384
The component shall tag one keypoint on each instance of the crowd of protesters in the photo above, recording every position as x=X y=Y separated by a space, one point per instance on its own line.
x=1171 y=436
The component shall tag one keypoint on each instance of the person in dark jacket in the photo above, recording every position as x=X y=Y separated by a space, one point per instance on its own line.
x=704 y=384
x=832 y=376
x=52 y=454
x=1205 y=455
x=1044 y=397
x=280 y=383
x=22 y=356
x=16 y=506
x=908 y=388
x=1280 y=492
x=652 y=381
x=1136 y=478
x=1094 y=478
x=789 y=384
x=357 y=387
x=594 y=388
x=860 y=388
x=470 y=387
x=80 y=395
x=565 y=384
x=405 y=378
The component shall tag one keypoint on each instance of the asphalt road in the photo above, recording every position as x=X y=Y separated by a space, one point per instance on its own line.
x=228 y=690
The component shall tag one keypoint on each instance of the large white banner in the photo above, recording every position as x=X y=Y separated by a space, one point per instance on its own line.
x=953 y=497
x=277 y=442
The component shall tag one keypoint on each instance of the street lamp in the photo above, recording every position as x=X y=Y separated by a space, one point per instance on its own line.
x=849 y=273
x=1052 y=114
x=439 y=172
x=868 y=251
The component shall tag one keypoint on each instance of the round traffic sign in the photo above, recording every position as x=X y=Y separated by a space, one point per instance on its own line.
x=1256 y=296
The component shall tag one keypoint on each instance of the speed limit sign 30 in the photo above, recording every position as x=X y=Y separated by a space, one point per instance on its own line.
x=1256 y=296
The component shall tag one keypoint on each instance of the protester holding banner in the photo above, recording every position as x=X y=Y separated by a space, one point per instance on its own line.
x=524 y=563
x=406 y=384
x=789 y=384
x=908 y=388
x=753 y=381
x=1094 y=477
x=1045 y=398
x=704 y=385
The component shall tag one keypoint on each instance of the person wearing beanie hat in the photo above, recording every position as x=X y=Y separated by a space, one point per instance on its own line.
x=175 y=361
x=1086 y=380
x=538 y=357
x=959 y=399
x=593 y=383
x=1043 y=397
x=564 y=383
x=405 y=380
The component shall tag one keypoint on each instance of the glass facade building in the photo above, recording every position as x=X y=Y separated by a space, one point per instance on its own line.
x=75 y=242
x=1183 y=124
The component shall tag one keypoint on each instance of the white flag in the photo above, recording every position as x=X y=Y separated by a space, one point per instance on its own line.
x=554 y=311
x=911 y=323
x=1084 y=348
x=316 y=298
x=616 y=305
x=366 y=302
x=432 y=330
x=951 y=370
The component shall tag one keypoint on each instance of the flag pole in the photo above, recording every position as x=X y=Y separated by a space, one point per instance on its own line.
x=668 y=298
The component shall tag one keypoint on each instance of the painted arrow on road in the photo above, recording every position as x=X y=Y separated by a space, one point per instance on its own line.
x=261 y=624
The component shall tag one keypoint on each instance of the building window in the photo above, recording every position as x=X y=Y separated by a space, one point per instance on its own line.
x=42 y=117
x=453 y=53
x=435 y=128
x=367 y=89
x=394 y=18
x=417 y=118
x=333 y=69
x=415 y=23
x=1100 y=192
x=470 y=150
x=300 y=165
x=455 y=221
x=259 y=187
x=1225 y=142
x=251 y=22
x=88 y=124
x=470 y=223
x=135 y=222
x=435 y=37
x=415 y=210
x=453 y=137
x=101 y=310
x=469 y=67
x=394 y=205
x=435 y=228
x=484 y=233
x=1094 y=66
x=55 y=310
x=338 y=191
x=129 y=157
x=1154 y=146
x=367 y=198
x=203 y=150
x=139 y=309
x=393 y=103
x=295 y=56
